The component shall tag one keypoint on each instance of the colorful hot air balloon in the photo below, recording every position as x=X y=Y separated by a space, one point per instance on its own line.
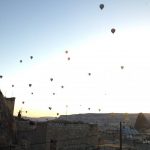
x=101 y=6
x=113 y=30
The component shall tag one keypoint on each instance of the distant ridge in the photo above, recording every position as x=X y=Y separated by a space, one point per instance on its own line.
x=39 y=119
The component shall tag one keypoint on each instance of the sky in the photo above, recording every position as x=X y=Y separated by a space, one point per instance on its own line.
x=46 y=29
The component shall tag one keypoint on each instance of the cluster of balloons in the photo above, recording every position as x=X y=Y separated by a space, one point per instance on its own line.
x=113 y=30
x=67 y=53
x=101 y=6
x=31 y=57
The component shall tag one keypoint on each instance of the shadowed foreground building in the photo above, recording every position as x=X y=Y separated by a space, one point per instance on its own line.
x=7 y=124
x=59 y=135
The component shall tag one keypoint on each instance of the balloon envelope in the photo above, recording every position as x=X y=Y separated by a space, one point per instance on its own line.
x=1 y=76
x=20 y=61
x=101 y=6
x=51 y=79
x=30 y=85
x=122 y=67
x=113 y=30
x=31 y=57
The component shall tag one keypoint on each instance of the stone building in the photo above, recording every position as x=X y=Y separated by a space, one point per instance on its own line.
x=7 y=124
x=64 y=135
x=57 y=135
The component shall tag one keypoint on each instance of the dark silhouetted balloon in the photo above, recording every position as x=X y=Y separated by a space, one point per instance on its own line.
x=12 y=85
x=20 y=61
x=89 y=74
x=68 y=58
x=122 y=67
x=26 y=112
x=89 y=108
x=50 y=108
x=62 y=86
x=66 y=52
x=51 y=79
x=57 y=114
x=30 y=85
x=53 y=93
x=32 y=93
x=22 y=102
x=1 y=76
x=31 y=57
x=113 y=30
x=99 y=109
x=101 y=6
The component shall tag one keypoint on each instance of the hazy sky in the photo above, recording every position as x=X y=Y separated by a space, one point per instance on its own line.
x=45 y=29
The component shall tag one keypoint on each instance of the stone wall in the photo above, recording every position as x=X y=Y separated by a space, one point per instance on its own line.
x=31 y=135
x=71 y=136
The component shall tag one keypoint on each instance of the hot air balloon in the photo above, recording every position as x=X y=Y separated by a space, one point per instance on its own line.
x=31 y=57
x=51 y=79
x=53 y=93
x=99 y=109
x=26 y=112
x=22 y=102
x=30 y=85
x=62 y=86
x=66 y=52
x=101 y=6
x=50 y=108
x=113 y=30
x=12 y=85
x=1 y=76
x=57 y=114
x=89 y=74
x=68 y=58
x=122 y=67
x=32 y=93
x=89 y=108
x=20 y=61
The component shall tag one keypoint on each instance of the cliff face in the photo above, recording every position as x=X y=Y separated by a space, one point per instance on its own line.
x=142 y=122
x=6 y=122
